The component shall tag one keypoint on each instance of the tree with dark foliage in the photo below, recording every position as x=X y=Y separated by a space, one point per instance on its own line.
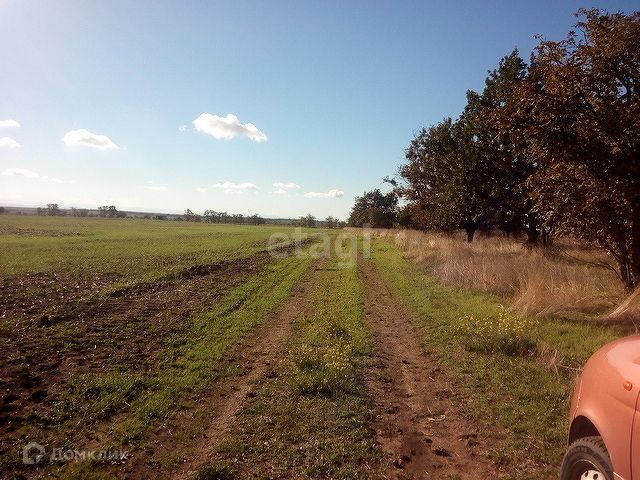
x=578 y=115
x=509 y=205
x=53 y=209
x=256 y=219
x=108 y=211
x=463 y=174
x=375 y=209
x=308 y=221
x=189 y=216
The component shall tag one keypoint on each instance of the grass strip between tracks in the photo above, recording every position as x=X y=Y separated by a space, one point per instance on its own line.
x=311 y=417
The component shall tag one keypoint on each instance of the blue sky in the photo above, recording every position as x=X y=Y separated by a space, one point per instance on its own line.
x=334 y=92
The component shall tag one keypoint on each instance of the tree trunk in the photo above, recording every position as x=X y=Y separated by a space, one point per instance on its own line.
x=634 y=279
x=624 y=266
x=532 y=231
x=471 y=231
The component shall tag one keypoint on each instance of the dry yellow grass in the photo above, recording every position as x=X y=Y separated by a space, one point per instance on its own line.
x=569 y=279
x=629 y=309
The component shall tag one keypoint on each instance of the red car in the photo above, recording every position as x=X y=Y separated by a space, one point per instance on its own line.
x=604 y=436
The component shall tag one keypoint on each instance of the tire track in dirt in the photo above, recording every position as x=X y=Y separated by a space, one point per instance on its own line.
x=420 y=427
x=257 y=355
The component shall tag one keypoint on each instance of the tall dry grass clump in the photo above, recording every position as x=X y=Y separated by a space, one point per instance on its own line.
x=568 y=279
x=627 y=310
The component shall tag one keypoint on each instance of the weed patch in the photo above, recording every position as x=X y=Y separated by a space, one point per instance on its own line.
x=215 y=472
x=323 y=370
x=98 y=395
x=506 y=333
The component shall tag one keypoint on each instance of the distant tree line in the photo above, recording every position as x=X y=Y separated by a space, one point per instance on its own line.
x=110 y=211
x=549 y=147
x=331 y=222
x=54 y=210
x=211 y=216
x=79 y=212
x=310 y=221
x=51 y=210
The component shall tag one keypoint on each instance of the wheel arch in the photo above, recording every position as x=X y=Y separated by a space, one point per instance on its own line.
x=582 y=427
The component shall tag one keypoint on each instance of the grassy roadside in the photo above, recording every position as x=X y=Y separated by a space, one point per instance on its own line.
x=132 y=402
x=310 y=419
x=507 y=363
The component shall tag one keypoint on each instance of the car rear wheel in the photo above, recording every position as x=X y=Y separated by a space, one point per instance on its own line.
x=587 y=459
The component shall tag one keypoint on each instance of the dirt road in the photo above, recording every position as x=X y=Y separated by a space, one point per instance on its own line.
x=255 y=356
x=420 y=425
x=420 y=420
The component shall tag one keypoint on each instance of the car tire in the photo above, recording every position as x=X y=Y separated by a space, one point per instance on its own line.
x=587 y=459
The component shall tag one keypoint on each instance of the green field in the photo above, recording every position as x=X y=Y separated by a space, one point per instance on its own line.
x=132 y=249
x=115 y=335
x=147 y=335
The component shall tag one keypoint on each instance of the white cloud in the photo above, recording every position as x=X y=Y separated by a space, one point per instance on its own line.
x=20 y=172
x=232 y=187
x=201 y=190
x=156 y=188
x=280 y=191
x=286 y=186
x=329 y=194
x=182 y=128
x=6 y=142
x=23 y=172
x=87 y=139
x=53 y=180
x=9 y=124
x=227 y=128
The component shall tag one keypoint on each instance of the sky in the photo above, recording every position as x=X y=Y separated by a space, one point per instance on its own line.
x=280 y=108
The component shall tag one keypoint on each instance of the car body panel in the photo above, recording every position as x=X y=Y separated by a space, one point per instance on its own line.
x=607 y=395
x=635 y=444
